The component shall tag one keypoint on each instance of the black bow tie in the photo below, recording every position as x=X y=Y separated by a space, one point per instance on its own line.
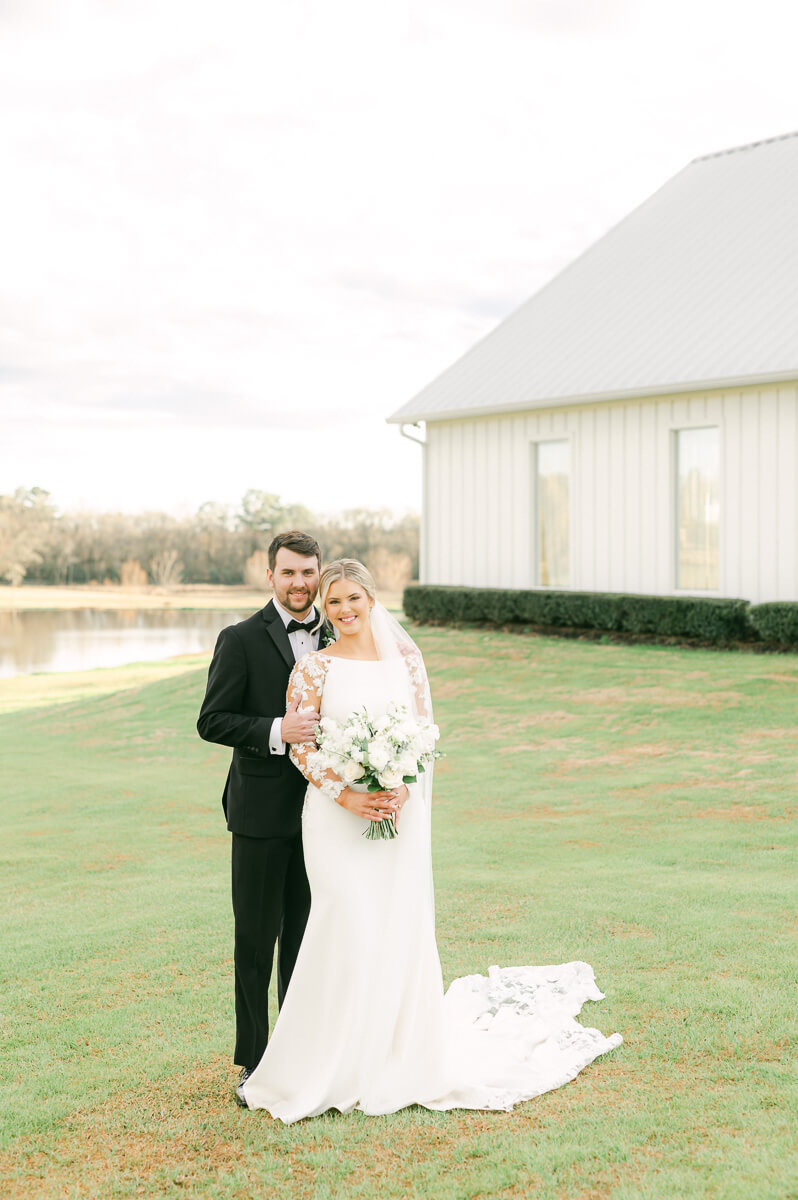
x=294 y=626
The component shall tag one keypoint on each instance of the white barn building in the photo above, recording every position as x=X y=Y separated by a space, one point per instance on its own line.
x=634 y=426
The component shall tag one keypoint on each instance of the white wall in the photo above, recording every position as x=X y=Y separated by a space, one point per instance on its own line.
x=478 y=507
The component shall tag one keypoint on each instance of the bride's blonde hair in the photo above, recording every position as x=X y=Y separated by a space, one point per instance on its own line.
x=346 y=568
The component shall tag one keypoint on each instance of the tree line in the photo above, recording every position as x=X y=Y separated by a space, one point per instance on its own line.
x=219 y=544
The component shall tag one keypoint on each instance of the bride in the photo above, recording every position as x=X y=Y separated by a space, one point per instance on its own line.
x=365 y=1023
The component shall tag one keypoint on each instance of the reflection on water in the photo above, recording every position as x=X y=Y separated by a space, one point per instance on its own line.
x=81 y=639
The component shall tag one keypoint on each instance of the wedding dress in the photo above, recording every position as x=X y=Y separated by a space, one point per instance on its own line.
x=365 y=1023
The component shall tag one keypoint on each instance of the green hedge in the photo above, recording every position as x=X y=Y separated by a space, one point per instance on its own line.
x=698 y=617
x=776 y=622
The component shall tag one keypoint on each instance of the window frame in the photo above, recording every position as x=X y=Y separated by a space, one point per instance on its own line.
x=534 y=510
x=675 y=429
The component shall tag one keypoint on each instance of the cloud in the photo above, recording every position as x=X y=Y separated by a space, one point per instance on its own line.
x=287 y=217
x=583 y=18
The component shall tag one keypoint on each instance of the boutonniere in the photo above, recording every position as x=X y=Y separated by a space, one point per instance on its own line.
x=326 y=636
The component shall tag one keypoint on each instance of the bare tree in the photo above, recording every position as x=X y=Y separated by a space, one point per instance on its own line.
x=166 y=569
x=212 y=546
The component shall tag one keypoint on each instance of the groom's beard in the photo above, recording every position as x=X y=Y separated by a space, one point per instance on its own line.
x=296 y=603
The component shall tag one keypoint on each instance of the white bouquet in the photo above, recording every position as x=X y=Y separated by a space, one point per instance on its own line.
x=376 y=755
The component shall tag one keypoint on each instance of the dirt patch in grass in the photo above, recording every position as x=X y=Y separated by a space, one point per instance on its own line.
x=736 y=812
x=530 y=813
x=445 y=691
x=546 y=743
x=619 y=758
x=465 y=664
x=690 y=786
x=662 y=697
x=625 y=929
x=556 y=717
x=752 y=739
x=132 y=1137
x=170 y=1155
x=769 y=1050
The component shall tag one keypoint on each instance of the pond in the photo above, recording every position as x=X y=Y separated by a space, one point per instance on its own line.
x=81 y=639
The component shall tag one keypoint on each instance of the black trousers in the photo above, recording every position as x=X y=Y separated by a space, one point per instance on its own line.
x=271 y=901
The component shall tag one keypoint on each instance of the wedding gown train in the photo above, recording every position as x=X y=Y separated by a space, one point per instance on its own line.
x=365 y=1023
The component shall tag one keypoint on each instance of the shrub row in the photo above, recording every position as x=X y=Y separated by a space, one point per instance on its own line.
x=776 y=622
x=703 y=618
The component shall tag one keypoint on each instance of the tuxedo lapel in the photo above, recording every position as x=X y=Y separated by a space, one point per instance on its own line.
x=277 y=631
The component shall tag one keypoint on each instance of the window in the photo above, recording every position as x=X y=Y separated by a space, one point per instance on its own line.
x=697 y=508
x=553 y=513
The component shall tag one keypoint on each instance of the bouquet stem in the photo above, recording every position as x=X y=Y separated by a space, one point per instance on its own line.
x=382 y=830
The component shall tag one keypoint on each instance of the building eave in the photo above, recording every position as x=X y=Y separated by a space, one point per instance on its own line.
x=532 y=405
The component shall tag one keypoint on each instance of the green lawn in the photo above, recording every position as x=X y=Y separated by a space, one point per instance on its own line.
x=630 y=806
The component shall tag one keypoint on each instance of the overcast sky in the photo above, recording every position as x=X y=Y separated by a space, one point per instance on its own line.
x=237 y=235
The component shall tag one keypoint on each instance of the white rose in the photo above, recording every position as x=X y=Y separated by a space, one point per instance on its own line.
x=426 y=738
x=391 y=777
x=379 y=755
x=407 y=764
x=351 y=772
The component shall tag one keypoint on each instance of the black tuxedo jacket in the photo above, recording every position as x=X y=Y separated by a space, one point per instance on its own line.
x=247 y=682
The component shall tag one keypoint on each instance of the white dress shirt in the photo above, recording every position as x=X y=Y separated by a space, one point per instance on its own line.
x=302 y=643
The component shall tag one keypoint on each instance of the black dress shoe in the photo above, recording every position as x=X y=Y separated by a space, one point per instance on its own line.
x=241 y=1099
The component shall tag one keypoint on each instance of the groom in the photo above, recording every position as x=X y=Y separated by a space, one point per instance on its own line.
x=244 y=707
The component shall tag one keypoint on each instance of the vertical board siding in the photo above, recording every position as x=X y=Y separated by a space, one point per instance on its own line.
x=632 y=454
x=506 y=516
x=663 y=577
x=788 y=493
x=768 y=574
x=572 y=433
x=434 y=492
x=647 y=496
x=584 y=521
x=492 y=543
x=731 y=483
x=616 y=471
x=712 y=414
x=601 y=496
x=749 y=496
x=522 y=516
x=479 y=493
x=475 y=516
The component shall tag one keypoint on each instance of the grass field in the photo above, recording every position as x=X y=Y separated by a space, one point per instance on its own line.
x=630 y=806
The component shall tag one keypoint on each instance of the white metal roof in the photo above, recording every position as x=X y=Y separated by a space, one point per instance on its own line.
x=698 y=287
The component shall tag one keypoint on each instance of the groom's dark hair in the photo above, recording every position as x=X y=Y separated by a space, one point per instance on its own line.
x=300 y=543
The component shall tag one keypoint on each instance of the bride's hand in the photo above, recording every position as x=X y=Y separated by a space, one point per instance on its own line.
x=397 y=796
x=373 y=806
x=400 y=794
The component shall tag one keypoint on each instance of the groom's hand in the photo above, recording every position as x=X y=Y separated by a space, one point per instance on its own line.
x=299 y=726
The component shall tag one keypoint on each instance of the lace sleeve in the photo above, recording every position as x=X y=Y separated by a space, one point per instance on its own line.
x=418 y=681
x=306 y=685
